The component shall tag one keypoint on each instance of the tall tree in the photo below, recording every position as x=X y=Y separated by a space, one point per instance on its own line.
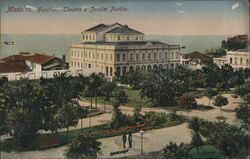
x=107 y=88
x=24 y=102
x=210 y=93
x=186 y=101
x=95 y=82
x=67 y=115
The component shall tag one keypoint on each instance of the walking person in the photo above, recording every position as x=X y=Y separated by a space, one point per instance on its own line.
x=124 y=139
x=130 y=139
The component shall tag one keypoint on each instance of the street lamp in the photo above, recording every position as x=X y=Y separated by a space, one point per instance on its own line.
x=90 y=118
x=141 y=132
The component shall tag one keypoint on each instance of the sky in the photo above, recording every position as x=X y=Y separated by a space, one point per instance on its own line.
x=153 y=17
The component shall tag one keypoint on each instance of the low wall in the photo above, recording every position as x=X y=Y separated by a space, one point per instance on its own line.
x=45 y=74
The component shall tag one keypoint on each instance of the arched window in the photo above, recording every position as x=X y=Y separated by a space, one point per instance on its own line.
x=118 y=38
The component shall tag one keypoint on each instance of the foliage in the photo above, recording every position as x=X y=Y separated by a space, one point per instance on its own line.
x=195 y=125
x=155 y=118
x=162 y=87
x=220 y=101
x=186 y=101
x=23 y=104
x=175 y=151
x=83 y=147
x=233 y=44
x=207 y=151
x=137 y=116
x=121 y=95
x=230 y=139
x=243 y=113
x=133 y=79
x=118 y=119
x=107 y=88
x=67 y=115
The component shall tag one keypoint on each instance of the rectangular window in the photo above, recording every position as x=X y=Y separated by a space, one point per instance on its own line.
x=172 y=55
x=137 y=56
x=111 y=57
x=154 y=55
x=149 y=56
x=89 y=65
x=107 y=56
x=101 y=56
x=131 y=57
x=111 y=71
x=143 y=56
x=177 y=55
x=107 y=71
x=118 y=57
x=166 y=55
x=124 y=57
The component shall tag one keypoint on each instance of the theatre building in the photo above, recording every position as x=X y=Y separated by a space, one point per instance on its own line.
x=116 y=49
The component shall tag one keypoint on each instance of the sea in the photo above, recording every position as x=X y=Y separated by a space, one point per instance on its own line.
x=59 y=45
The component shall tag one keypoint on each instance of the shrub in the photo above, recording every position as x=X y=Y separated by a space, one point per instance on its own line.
x=155 y=118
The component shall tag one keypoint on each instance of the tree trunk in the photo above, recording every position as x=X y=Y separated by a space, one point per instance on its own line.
x=81 y=124
x=67 y=132
x=95 y=100
x=0 y=147
x=220 y=112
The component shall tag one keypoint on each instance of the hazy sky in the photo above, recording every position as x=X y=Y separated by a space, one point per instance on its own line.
x=166 y=17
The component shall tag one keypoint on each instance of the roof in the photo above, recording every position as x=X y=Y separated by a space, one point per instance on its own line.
x=194 y=55
x=129 y=43
x=124 y=30
x=40 y=59
x=10 y=67
x=35 y=58
x=15 y=58
x=97 y=27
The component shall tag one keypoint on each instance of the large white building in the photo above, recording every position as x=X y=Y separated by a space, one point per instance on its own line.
x=116 y=49
x=237 y=59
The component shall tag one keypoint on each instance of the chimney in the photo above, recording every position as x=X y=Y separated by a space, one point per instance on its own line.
x=63 y=62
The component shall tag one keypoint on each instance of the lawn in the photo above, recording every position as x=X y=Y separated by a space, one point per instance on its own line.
x=134 y=99
x=207 y=151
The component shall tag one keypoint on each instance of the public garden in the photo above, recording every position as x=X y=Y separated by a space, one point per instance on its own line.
x=171 y=113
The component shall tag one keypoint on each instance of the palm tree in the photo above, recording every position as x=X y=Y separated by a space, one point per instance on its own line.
x=174 y=151
x=95 y=81
x=83 y=147
x=195 y=125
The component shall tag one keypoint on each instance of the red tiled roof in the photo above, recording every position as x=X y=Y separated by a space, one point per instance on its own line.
x=9 y=67
x=37 y=58
x=41 y=59
x=15 y=58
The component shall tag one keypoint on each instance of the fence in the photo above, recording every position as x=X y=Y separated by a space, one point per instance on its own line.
x=45 y=74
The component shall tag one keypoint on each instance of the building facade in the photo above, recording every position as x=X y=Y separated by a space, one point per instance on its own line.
x=116 y=49
x=237 y=59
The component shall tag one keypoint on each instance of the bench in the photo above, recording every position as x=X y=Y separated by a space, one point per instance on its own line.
x=118 y=152
x=48 y=143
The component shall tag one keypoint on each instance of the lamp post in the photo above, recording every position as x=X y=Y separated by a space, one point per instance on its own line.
x=141 y=132
x=90 y=118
